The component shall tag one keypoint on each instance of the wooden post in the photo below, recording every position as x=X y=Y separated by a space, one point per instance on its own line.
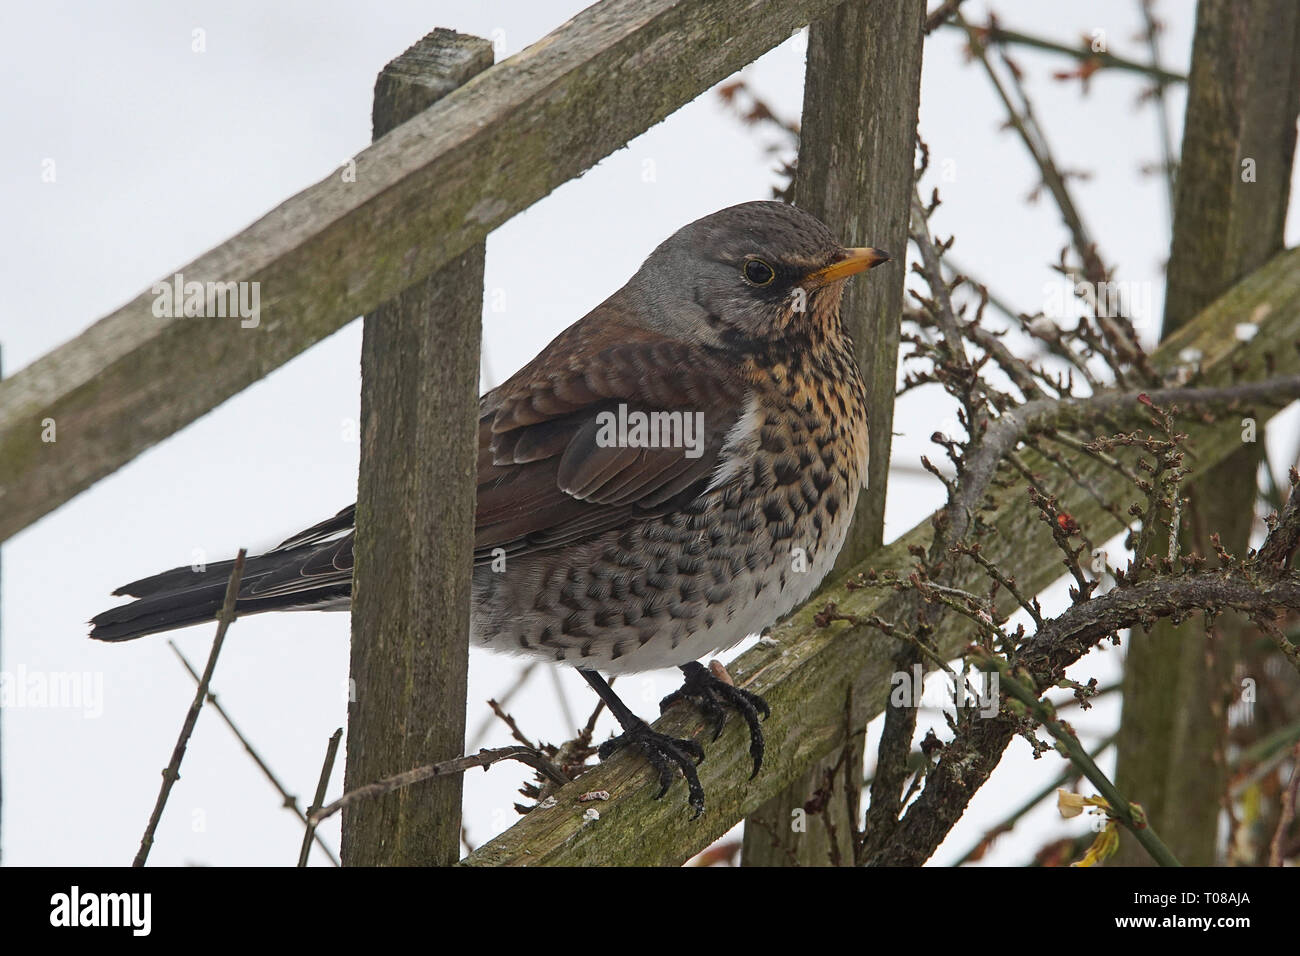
x=1234 y=182
x=415 y=518
x=856 y=150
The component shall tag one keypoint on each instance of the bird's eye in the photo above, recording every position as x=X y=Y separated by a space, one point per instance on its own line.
x=758 y=272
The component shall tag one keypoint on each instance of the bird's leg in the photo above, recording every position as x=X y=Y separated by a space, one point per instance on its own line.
x=713 y=695
x=662 y=751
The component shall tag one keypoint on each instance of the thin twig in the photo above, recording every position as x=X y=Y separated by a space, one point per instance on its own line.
x=1028 y=603
x=509 y=721
x=1151 y=29
x=1288 y=810
x=999 y=303
x=940 y=14
x=481 y=731
x=565 y=711
x=172 y=772
x=1087 y=448
x=1284 y=531
x=326 y=771
x=1128 y=814
x=1080 y=481
x=944 y=315
x=1067 y=776
x=484 y=758
x=1279 y=638
x=1035 y=142
x=1261 y=758
x=1081 y=52
x=290 y=801
x=971 y=756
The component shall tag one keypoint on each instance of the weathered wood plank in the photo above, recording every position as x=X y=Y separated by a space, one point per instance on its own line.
x=415 y=518
x=809 y=673
x=856 y=148
x=419 y=197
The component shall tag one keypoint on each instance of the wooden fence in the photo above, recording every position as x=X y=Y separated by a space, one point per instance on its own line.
x=461 y=146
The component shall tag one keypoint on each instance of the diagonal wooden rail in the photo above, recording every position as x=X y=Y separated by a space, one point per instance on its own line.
x=417 y=198
x=814 y=676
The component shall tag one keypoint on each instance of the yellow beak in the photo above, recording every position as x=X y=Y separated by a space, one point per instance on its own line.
x=854 y=261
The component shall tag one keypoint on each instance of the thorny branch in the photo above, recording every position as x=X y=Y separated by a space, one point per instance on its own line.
x=484 y=758
x=1004 y=403
x=1090 y=60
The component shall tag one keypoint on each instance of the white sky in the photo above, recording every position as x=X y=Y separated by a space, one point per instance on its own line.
x=161 y=153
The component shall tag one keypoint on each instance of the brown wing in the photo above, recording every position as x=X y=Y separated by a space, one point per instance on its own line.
x=547 y=475
x=545 y=478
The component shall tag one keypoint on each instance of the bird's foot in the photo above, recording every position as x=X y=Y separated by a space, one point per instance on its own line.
x=713 y=696
x=664 y=753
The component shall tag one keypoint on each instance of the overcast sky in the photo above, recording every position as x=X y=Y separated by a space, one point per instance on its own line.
x=159 y=153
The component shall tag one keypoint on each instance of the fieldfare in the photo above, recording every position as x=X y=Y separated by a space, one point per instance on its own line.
x=675 y=471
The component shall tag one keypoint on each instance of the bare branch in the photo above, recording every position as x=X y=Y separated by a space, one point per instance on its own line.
x=968 y=759
x=484 y=758
x=172 y=772
x=326 y=770
x=290 y=802
x=1130 y=815
x=1082 y=52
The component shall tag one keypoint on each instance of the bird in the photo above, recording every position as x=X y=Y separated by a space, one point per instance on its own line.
x=674 y=472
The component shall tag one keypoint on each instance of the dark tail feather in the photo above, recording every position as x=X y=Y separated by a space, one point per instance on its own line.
x=172 y=599
x=310 y=571
x=161 y=609
x=297 y=579
x=177 y=579
x=130 y=621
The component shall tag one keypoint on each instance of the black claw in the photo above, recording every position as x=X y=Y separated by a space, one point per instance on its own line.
x=713 y=711
x=665 y=754
x=712 y=696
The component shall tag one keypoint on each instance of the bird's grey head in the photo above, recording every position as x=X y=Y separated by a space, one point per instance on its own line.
x=759 y=269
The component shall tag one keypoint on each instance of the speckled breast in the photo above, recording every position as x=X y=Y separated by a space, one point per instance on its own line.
x=729 y=563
